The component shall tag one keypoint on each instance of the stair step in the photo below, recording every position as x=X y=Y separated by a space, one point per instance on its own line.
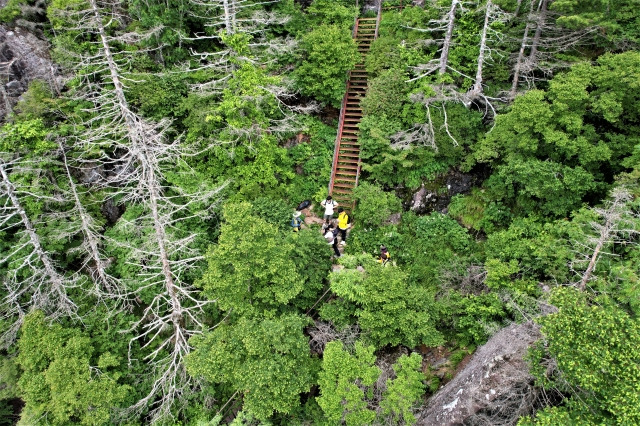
x=349 y=168
x=349 y=173
x=344 y=180
x=342 y=185
x=348 y=155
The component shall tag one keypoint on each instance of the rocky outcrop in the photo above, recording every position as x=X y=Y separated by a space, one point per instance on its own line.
x=436 y=195
x=23 y=58
x=495 y=387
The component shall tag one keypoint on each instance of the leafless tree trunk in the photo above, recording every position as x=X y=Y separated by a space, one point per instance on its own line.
x=106 y=286
x=477 y=85
x=618 y=222
x=540 y=23
x=245 y=16
x=145 y=149
x=488 y=37
x=137 y=153
x=33 y=281
x=519 y=61
x=446 y=44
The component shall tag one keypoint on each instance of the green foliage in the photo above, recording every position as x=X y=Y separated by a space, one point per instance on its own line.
x=58 y=379
x=478 y=211
x=252 y=268
x=368 y=240
x=392 y=167
x=529 y=245
x=430 y=243
x=267 y=360
x=26 y=135
x=404 y=392
x=595 y=346
x=273 y=211
x=342 y=379
x=312 y=258
x=505 y=275
x=374 y=206
x=386 y=94
x=540 y=186
x=8 y=378
x=156 y=97
x=315 y=159
x=618 y=20
x=340 y=13
x=10 y=11
x=391 y=310
x=557 y=147
x=473 y=318
x=328 y=53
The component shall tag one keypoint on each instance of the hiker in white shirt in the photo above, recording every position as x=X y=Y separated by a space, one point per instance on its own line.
x=328 y=205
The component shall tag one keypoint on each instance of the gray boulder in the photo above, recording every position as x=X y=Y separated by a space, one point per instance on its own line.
x=24 y=57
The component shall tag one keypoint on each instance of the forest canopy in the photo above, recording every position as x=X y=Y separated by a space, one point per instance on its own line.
x=150 y=268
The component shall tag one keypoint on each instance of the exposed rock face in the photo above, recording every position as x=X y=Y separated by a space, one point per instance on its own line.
x=111 y=211
x=495 y=388
x=23 y=58
x=436 y=197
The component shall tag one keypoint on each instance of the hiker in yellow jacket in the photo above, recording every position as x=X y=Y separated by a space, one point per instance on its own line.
x=344 y=222
x=384 y=256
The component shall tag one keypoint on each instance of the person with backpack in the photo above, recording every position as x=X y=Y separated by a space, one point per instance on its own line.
x=344 y=222
x=384 y=256
x=296 y=221
x=331 y=237
x=328 y=205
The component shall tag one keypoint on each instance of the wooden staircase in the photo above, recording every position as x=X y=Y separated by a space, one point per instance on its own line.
x=346 y=156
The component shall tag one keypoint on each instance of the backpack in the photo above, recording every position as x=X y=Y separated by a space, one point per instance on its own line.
x=330 y=236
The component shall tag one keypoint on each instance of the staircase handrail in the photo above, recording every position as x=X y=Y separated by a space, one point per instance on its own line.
x=378 y=18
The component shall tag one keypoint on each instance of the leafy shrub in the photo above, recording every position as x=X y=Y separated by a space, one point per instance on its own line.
x=473 y=318
x=391 y=309
x=386 y=94
x=329 y=52
x=374 y=205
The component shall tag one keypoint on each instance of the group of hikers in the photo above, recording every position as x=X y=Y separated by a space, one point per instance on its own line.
x=331 y=230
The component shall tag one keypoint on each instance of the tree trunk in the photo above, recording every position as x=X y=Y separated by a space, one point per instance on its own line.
x=58 y=293
x=446 y=44
x=518 y=66
x=540 y=21
x=477 y=85
x=100 y=277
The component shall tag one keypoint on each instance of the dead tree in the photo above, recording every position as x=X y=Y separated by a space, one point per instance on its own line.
x=249 y=18
x=537 y=56
x=106 y=286
x=492 y=15
x=446 y=44
x=424 y=133
x=618 y=223
x=139 y=152
x=519 y=60
x=33 y=280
